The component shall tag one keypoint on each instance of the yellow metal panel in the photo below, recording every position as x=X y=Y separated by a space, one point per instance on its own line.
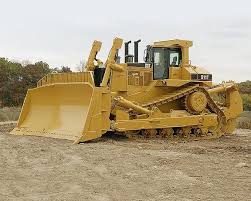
x=200 y=70
x=119 y=81
x=96 y=46
x=174 y=72
x=186 y=73
x=122 y=115
x=70 y=111
x=117 y=43
x=166 y=122
x=172 y=82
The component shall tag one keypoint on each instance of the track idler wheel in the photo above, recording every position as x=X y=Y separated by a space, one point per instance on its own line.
x=196 y=102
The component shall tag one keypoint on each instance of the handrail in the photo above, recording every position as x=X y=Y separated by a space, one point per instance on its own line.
x=65 y=78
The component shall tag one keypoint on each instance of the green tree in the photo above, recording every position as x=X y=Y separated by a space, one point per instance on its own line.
x=65 y=69
x=10 y=77
x=16 y=79
x=31 y=73
x=245 y=87
x=246 y=102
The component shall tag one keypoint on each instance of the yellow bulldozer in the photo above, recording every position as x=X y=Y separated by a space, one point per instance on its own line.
x=163 y=97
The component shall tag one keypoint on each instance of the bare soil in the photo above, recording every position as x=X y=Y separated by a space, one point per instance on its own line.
x=115 y=168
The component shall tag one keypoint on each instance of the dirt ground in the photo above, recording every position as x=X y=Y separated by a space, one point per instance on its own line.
x=115 y=168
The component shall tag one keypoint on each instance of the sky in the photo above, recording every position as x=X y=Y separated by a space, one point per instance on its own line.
x=61 y=32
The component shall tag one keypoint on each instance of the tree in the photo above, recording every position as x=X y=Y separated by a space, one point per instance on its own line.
x=65 y=69
x=9 y=78
x=16 y=79
x=246 y=102
x=245 y=87
x=81 y=66
x=33 y=72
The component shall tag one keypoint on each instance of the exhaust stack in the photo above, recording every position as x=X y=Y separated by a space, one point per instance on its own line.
x=127 y=56
x=136 y=51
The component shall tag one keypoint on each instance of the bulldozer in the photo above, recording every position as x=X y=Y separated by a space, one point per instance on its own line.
x=163 y=97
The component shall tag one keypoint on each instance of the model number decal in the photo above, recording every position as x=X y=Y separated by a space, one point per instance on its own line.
x=204 y=77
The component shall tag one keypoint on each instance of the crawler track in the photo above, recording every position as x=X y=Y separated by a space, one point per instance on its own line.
x=184 y=133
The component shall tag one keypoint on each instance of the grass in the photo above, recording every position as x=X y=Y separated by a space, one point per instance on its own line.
x=244 y=121
x=9 y=113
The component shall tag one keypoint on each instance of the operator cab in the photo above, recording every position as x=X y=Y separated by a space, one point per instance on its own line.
x=166 y=54
x=165 y=58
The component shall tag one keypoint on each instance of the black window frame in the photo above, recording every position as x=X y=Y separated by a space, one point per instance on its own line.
x=167 y=52
x=179 y=51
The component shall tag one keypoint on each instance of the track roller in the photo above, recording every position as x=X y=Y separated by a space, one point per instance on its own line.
x=149 y=133
x=166 y=133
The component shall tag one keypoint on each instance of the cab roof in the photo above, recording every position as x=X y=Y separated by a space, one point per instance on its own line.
x=173 y=43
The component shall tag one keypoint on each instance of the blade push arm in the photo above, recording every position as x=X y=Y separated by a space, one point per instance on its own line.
x=96 y=46
x=110 y=62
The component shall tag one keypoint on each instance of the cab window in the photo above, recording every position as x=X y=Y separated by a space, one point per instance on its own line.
x=175 y=57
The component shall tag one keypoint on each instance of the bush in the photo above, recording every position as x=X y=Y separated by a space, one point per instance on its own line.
x=244 y=121
x=246 y=102
x=9 y=114
x=245 y=87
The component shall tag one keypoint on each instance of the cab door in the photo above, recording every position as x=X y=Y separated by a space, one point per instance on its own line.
x=160 y=63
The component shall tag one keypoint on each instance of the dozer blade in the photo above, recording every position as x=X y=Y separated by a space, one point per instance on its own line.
x=72 y=111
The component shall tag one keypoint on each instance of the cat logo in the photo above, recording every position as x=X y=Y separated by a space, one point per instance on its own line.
x=204 y=77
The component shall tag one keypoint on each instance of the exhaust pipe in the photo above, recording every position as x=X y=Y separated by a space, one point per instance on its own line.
x=136 y=51
x=127 y=51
